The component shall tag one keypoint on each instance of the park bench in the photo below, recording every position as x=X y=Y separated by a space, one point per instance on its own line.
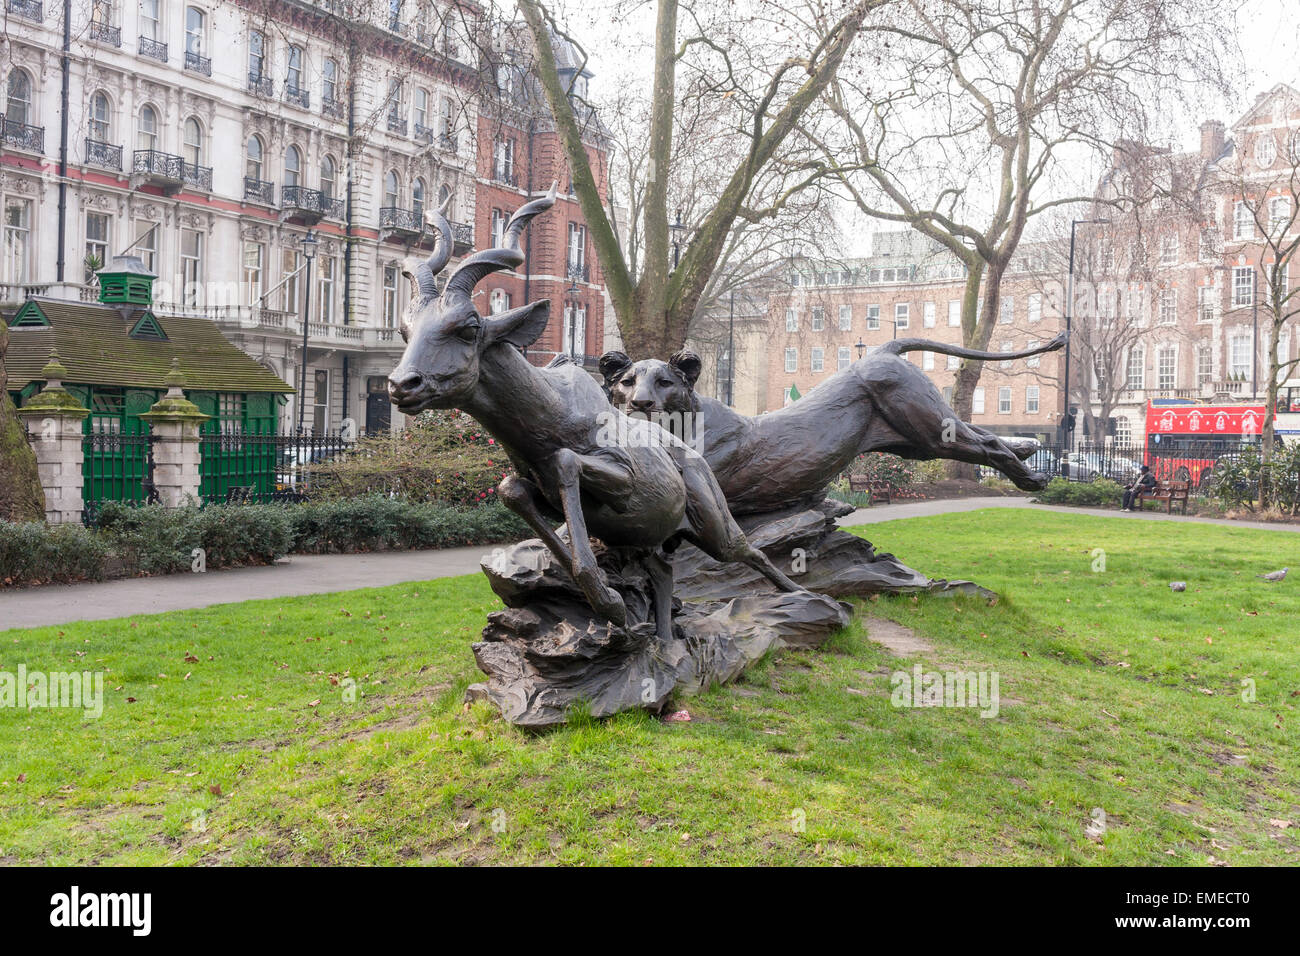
x=876 y=489
x=1170 y=492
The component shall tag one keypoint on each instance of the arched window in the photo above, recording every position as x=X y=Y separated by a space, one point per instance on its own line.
x=391 y=188
x=327 y=176
x=147 y=130
x=417 y=200
x=292 y=166
x=253 y=169
x=18 y=102
x=99 y=117
x=193 y=142
x=195 y=21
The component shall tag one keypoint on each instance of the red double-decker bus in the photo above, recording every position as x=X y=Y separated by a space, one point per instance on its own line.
x=1183 y=442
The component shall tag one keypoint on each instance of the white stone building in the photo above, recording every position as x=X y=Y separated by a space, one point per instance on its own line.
x=210 y=138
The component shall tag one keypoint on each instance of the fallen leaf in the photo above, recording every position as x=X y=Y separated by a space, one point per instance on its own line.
x=1280 y=824
x=215 y=789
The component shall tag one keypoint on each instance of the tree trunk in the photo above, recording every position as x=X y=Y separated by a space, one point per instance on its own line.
x=21 y=496
x=975 y=335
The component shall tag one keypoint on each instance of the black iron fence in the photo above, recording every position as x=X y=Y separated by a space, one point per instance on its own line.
x=1173 y=458
x=238 y=468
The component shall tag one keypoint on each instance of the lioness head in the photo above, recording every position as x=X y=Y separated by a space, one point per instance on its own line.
x=651 y=385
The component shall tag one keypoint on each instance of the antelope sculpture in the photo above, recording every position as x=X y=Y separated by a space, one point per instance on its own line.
x=623 y=480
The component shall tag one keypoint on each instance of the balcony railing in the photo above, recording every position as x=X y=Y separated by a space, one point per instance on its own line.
x=448 y=142
x=153 y=49
x=22 y=136
x=396 y=125
x=462 y=235
x=400 y=220
x=423 y=134
x=28 y=9
x=310 y=203
x=506 y=176
x=396 y=26
x=578 y=272
x=198 y=64
x=104 y=33
x=104 y=155
x=260 y=85
x=335 y=109
x=296 y=96
x=170 y=170
x=259 y=191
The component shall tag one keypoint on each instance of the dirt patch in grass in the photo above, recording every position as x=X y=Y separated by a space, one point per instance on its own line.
x=895 y=638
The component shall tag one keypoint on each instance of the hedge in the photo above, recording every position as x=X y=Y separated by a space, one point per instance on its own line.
x=1102 y=493
x=155 y=540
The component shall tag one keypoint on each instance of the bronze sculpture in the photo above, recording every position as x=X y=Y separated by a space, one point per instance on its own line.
x=788 y=457
x=642 y=491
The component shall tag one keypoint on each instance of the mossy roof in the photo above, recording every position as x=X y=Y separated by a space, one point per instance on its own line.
x=95 y=344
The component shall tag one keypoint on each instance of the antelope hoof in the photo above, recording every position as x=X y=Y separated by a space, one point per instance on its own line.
x=1032 y=481
x=610 y=606
x=603 y=599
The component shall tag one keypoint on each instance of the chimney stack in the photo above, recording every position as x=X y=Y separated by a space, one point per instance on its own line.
x=1212 y=136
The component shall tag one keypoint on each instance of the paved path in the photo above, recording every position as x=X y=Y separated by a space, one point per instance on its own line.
x=323 y=574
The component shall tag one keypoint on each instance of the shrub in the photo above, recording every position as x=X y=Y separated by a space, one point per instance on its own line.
x=882 y=466
x=1239 y=478
x=375 y=521
x=1102 y=493
x=440 y=456
x=34 y=552
x=157 y=540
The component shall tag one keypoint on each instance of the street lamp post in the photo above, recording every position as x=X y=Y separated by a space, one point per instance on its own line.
x=861 y=346
x=572 y=292
x=677 y=229
x=731 y=351
x=309 y=243
x=1069 y=309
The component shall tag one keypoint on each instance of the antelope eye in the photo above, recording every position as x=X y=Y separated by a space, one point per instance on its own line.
x=630 y=380
x=665 y=383
x=467 y=332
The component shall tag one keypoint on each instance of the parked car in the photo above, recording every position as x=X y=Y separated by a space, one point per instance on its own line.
x=1089 y=466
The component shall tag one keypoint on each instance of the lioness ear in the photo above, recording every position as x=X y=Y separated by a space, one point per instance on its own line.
x=612 y=365
x=689 y=364
x=520 y=327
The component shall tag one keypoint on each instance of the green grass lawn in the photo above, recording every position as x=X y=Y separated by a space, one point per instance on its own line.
x=241 y=746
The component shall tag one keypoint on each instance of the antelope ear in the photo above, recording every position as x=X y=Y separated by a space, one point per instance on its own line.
x=612 y=365
x=519 y=327
x=689 y=364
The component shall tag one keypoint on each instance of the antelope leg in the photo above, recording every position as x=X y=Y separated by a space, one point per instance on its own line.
x=604 y=600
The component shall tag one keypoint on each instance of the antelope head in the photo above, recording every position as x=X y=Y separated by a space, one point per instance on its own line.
x=445 y=334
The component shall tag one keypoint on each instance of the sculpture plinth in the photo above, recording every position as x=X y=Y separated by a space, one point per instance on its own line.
x=547 y=651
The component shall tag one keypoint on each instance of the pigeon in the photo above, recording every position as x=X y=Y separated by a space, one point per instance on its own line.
x=1178 y=585
x=1273 y=576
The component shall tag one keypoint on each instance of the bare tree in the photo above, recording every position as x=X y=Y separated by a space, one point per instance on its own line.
x=763 y=68
x=960 y=126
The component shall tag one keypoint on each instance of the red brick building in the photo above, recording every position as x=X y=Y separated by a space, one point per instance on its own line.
x=831 y=314
x=519 y=157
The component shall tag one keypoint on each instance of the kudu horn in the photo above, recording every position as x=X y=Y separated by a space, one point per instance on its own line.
x=508 y=256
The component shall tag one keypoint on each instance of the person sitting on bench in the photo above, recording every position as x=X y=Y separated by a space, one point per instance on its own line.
x=1145 y=485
